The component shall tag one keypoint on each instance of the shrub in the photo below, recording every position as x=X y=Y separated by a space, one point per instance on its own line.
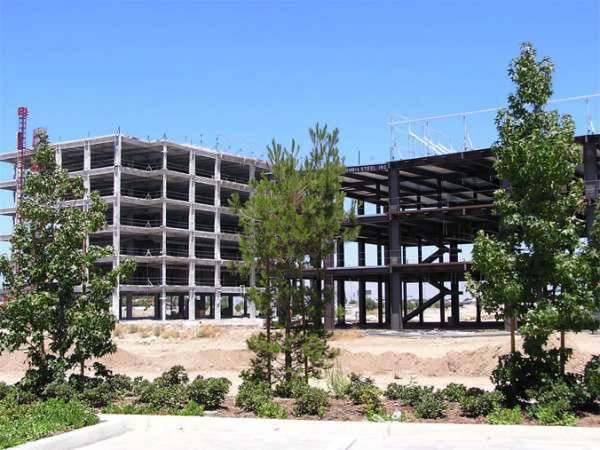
x=97 y=396
x=129 y=409
x=160 y=396
x=19 y=396
x=480 y=405
x=454 y=392
x=271 y=410
x=356 y=387
x=192 y=409
x=407 y=394
x=516 y=374
x=337 y=382
x=311 y=401
x=176 y=375
x=251 y=394
x=555 y=403
x=4 y=390
x=290 y=388
x=59 y=389
x=430 y=406
x=22 y=423
x=209 y=392
x=551 y=414
x=591 y=377
x=505 y=416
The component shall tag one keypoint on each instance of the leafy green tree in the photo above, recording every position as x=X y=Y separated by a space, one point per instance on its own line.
x=537 y=272
x=58 y=296
x=292 y=219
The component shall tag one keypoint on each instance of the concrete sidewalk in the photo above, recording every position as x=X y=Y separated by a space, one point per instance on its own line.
x=199 y=433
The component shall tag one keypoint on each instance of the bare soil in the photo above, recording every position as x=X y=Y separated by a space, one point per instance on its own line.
x=147 y=348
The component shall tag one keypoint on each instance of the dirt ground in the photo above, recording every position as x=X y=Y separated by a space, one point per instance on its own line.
x=147 y=348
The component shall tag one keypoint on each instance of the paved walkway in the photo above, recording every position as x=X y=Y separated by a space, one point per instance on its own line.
x=199 y=433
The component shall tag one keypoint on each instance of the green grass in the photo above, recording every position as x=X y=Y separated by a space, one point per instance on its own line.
x=24 y=423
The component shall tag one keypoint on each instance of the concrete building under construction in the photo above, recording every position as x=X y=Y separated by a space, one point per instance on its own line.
x=167 y=210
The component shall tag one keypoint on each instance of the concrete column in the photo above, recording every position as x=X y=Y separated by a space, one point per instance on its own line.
x=192 y=240
x=218 y=304
x=329 y=312
x=163 y=264
x=590 y=176
x=251 y=305
x=116 y=238
x=341 y=291
x=57 y=158
x=192 y=304
x=87 y=166
x=396 y=322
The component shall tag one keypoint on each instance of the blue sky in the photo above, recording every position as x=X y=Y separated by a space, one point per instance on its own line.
x=253 y=71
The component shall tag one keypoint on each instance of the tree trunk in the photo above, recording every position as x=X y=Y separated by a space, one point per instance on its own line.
x=562 y=353
x=513 y=322
x=81 y=369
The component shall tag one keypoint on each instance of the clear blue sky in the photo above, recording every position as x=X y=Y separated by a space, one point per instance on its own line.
x=253 y=71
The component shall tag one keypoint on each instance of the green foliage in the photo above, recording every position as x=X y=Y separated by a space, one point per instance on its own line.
x=158 y=395
x=130 y=408
x=362 y=391
x=291 y=387
x=192 y=409
x=4 y=390
x=591 y=377
x=252 y=393
x=409 y=394
x=476 y=405
x=60 y=327
x=454 y=392
x=23 y=423
x=338 y=382
x=271 y=410
x=505 y=416
x=176 y=375
x=430 y=406
x=310 y=401
x=294 y=216
x=209 y=392
x=552 y=414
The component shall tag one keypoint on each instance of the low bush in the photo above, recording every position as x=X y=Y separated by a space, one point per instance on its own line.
x=130 y=408
x=476 y=405
x=209 y=392
x=290 y=388
x=4 y=390
x=251 y=394
x=192 y=409
x=337 y=382
x=505 y=416
x=160 y=396
x=21 y=423
x=271 y=410
x=556 y=402
x=430 y=406
x=357 y=386
x=59 y=389
x=591 y=377
x=410 y=394
x=552 y=414
x=98 y=396
x=454 y=392
x=176 y=375
x=311 y=401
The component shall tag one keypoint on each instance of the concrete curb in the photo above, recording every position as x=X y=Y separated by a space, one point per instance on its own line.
x=106 y=429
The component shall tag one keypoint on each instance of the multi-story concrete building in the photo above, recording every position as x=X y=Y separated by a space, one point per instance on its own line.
x=167 y=210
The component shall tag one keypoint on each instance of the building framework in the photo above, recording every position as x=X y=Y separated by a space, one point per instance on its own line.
x=167 y=210
x=427 y=213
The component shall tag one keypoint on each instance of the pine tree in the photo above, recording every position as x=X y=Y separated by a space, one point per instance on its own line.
x=292 y=218
x=58 y=297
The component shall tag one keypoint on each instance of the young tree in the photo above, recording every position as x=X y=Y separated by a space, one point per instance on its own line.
x=291 y=219
x=58 y=296
x=536 y=272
